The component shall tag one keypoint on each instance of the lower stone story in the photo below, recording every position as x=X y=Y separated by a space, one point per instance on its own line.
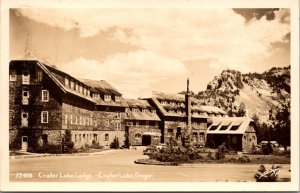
x=84 y=139
x=22 y=139
x=147 y=135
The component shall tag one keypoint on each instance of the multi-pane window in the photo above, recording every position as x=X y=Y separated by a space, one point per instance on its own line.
x=118 y=115
x=71 y=119
x=13 y=75
x=39 y=75
x=154 y=111
x=76 y=120
x=118 y=125
x=135 y=110
x=107 y=97
x=44 y=117
x=45 y=96
x=84 y=91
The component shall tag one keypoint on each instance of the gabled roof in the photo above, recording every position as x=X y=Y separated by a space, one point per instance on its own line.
x=179 y=100
x=101 y=86
x=233 y=125
x=141 y=104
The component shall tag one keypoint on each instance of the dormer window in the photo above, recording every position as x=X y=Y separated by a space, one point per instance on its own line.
x=84 y=91
x=88 y=93
x=72 y=85
x=107 y=97
x=117 y=98
x=144 y=110
x=96 y=96
x=80 y=89
x=153 y=111
x=163 y=102
x=66 y=82
x=135 y=110
x=76 y=87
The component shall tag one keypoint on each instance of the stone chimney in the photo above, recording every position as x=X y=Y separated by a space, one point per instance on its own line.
x=188 y=109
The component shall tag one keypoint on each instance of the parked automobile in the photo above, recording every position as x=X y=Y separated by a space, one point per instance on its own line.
x=273 y=143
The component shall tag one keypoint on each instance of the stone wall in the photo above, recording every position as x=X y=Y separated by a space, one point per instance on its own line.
x=81 y=138
x=134 y=140
x=249 y=140
x=197 y=129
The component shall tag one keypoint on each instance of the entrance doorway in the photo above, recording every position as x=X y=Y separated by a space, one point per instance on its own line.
x=24 y=143
x=146 y=140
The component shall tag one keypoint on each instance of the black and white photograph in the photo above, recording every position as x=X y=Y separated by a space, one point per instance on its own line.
x=167 y=96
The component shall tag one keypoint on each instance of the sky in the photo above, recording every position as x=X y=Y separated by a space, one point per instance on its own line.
x=143 y=50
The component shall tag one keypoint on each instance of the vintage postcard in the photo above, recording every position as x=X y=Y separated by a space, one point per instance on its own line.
x=158 y=95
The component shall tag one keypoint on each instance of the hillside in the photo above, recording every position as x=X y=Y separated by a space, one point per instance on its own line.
x=258 y=93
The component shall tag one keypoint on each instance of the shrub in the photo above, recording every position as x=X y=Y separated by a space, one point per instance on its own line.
x=267 y=149
x=68 y=145
x=47 y=148
x=220 y=154
x=115 y=144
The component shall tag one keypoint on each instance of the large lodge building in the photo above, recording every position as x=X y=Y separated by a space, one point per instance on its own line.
x=44 y=102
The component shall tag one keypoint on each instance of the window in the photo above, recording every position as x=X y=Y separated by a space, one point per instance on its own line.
x=45 y=96
x=118 y=115
x=201 y=137
x=72 y=85
x=137 y=136
x=144 y=110
x=80 y=89
x=95 y=122
x=25 y=77
x=25 y=97
x=84 y=91
x=118 y=125
x=96 y=96
x=163 y=102
x=24 y=117
x=71 y=119
x=107 y=97
x=76 y=120
x=83 y=121
x=13 y=75
x=135 y=110
x=45 y=139
x=66 y=118
x=224 y=127
x=87 y=121
x=76 y=87
x=137 y=123
x=106 y=137
x=107 y=122
x=75 y=138
x=39 y=75
x=154 y=111
x=117 y=98
x=44 y=117
x=66 y=82
x=129 y=123
x=91 y=121
x=88 y=93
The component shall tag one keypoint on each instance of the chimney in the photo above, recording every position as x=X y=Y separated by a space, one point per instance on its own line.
x=188 y=109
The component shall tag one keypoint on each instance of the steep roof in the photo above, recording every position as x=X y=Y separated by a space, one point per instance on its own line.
x=49 y=71
x=141 y=104
x=230 y=125
x=176 y=102
x=101 y=86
